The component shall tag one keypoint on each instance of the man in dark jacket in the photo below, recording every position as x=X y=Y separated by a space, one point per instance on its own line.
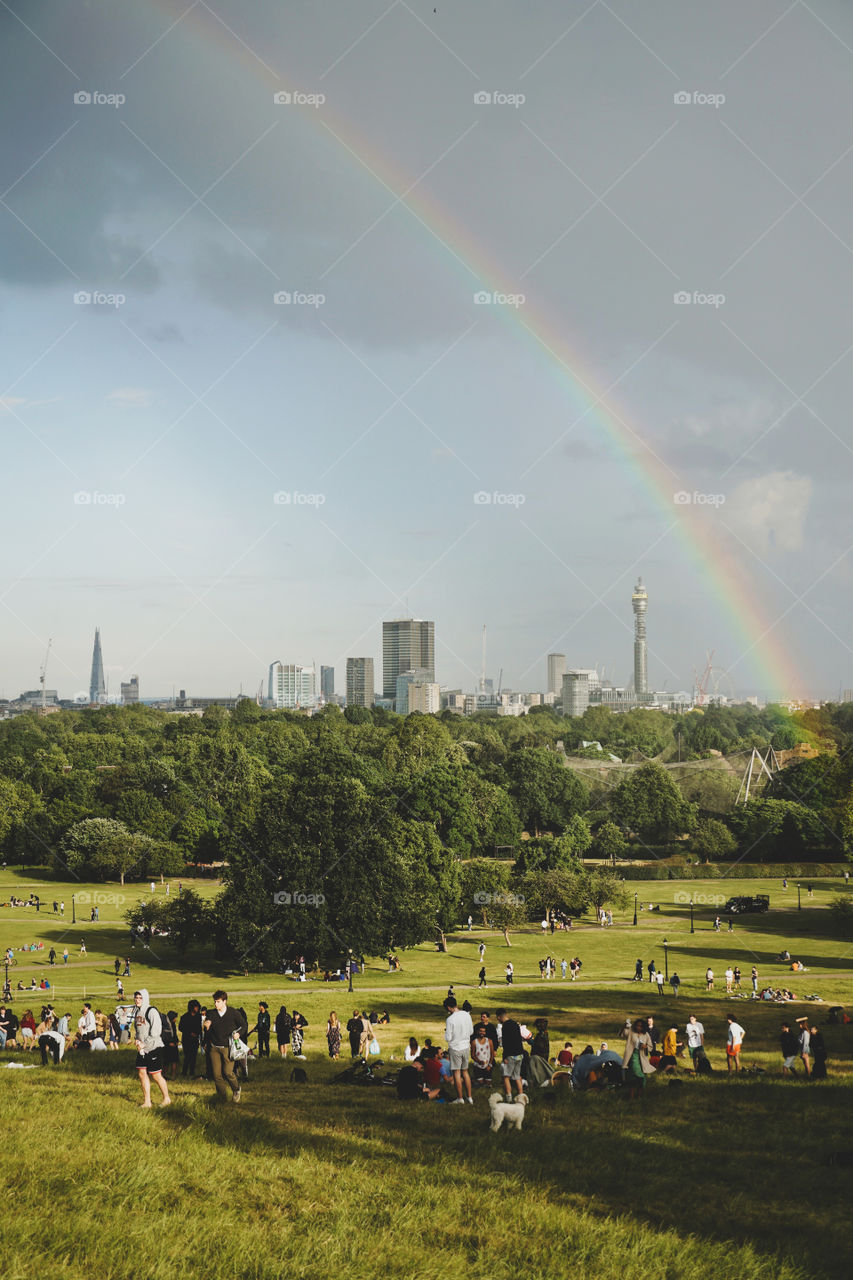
x=354 y=1031
x=513 y=1052
x=790 y=1046
x=220 y=1025
x=262 y=1026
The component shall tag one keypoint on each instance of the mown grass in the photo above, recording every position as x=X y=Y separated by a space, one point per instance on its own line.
x=719 y=1177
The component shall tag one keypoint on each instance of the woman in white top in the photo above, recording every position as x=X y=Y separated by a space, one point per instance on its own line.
x=412 y=1050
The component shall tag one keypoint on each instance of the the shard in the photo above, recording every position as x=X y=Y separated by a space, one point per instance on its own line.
x=97 y=685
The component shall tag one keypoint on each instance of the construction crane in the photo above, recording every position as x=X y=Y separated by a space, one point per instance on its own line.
x=42 y=676
x=483 y=663
x=702 y=682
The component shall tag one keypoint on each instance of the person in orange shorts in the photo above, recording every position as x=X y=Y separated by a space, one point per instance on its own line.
x=734 y=1040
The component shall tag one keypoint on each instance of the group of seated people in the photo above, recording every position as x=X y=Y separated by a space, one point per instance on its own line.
x=776 y=993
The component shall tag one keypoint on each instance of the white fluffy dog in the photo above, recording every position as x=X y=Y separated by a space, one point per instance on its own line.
x=505 y=1110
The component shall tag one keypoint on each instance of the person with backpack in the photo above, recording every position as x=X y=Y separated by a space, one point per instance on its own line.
x=190 y=1029
x=148 y=1026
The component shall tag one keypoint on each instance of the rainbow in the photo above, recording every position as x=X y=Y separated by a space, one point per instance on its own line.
x=721 y=565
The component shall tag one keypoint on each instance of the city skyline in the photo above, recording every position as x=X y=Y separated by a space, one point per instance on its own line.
x=569 y=306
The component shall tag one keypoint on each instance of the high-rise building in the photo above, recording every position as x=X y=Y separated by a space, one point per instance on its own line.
x=407 y=644
x=575 y=693
x=291 y=685
x=556 y=671
x=97 y=684
x=360 y=688
x=847 y=695
x=130 y=690
x=425 y=697
x=406 y=695
x=639 y=603
x=327 y=683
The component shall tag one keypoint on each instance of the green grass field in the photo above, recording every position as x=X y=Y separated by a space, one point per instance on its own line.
x=728 y=1177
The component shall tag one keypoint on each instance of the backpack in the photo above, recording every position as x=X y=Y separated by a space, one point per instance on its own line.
x=167 y=1034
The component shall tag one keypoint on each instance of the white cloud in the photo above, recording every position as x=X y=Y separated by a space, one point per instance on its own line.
x=769 y=511
x=131 y=397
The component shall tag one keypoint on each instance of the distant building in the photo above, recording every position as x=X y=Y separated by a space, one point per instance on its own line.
x=424 y=697
x=327 y=683
x=292 y=686
x=407 y=644
x=403 y=689
x=360 y=685
x=97 y=684
x=847 y=695
x=575 y=693
x=130 y=690
x=556 y=671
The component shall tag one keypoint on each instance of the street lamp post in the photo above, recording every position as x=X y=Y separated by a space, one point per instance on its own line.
x=665 y=960
x=73 y=912
x=799 y=901
x=349 y=968
x=692 y=930
x=635 y=908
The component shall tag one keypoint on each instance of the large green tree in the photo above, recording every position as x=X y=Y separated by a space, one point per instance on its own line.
x=648 y=802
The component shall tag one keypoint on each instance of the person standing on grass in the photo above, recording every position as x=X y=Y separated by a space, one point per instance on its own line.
x=638 y=971
x=695 y=1037
x=509 y=973
x=65 y=955
x=354 y=1032
x=659 y=982
x=818 y=1049
x=729 y=977
x=635 y=1060
x=736 y=975
x=190 y=1032
x=734 y=1040
x=754 y=977
x=805 y=1045
x=789 y=1045
x=149 y=1049
x=51 y=956
x=482 y=951
x=220 y=1025
x=709 y=979
x=512 y=1046
x=675 y=983
x=262 y=1027
x=652 y=969
x=297 y=1033
x=333 y=1036
x=458 y=1032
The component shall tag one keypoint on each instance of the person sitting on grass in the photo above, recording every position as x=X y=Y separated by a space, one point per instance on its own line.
x=412 y=1050
x=565 y=1057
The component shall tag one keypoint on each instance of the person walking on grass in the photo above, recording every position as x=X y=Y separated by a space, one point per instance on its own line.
x=190 y=1030
x=458 y=1032
x=734 y=1040
x=789 y=1045
x=482 y=950
x=482 y=976
x=695 y=1038
x=709 y=979
x=675 y=983
x=354 y=1033
x=509 y=973
x=333 y=1036
x=638 y=970
x=659 y=982
x=149 y=1049
x=65 y=955
x=220 y=1025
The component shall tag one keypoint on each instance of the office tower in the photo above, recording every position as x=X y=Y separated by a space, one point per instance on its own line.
x=425 y=697
x=407 y=644
x=292 y=686
x=639 y=602
x=847 y=695
x=360 y=689
x=556 y=671
x=327 y=683
x=130 y=690
x=97 y=685
x=407 y=682
x=575 y=693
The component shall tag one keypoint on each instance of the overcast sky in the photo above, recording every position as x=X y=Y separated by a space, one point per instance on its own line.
x=147 y=433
